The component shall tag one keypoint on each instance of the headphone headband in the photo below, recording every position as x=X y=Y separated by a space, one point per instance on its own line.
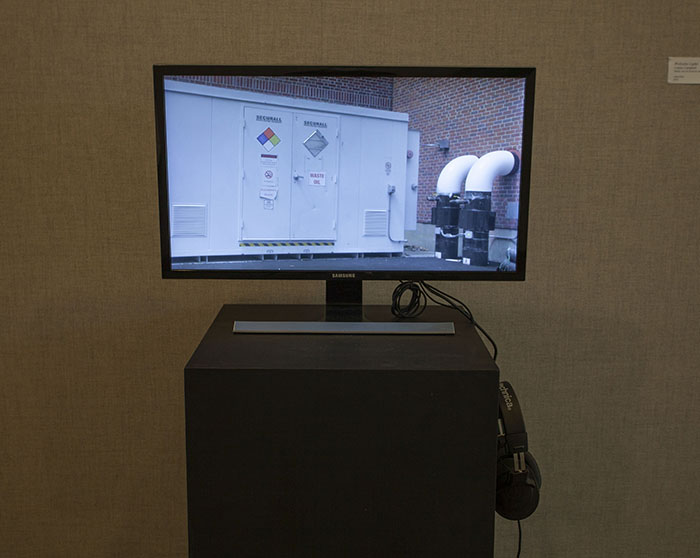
x=512 y=416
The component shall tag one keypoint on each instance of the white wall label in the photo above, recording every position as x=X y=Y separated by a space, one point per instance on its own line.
x=683 y=69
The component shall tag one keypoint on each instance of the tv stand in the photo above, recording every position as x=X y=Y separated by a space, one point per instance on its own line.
x=344 y=314
x=340 y=446
x=345 y=327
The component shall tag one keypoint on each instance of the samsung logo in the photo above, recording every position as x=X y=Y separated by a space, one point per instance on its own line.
x=342 y=275
x=269 y=118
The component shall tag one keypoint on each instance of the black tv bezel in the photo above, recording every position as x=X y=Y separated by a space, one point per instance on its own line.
x=527 y=73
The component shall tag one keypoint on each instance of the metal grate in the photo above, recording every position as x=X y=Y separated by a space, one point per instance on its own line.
x=375 y=222
x=189 y=220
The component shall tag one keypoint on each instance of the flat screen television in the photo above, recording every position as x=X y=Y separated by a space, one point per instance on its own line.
x=344 y=174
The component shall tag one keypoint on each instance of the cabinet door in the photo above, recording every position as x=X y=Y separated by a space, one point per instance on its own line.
x=267 y=169
x=314 y=195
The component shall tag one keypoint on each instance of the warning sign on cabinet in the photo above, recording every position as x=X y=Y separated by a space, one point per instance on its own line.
x=268 y=176
x=268 y=193
x=268 y=139
x=317 y=178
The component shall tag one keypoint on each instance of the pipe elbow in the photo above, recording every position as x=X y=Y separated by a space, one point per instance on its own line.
x=487 y=168
x=453 y=175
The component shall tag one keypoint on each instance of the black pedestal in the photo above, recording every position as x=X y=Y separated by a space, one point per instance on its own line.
x=340 y=446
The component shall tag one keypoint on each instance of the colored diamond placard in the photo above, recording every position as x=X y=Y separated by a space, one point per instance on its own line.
x=268 y=139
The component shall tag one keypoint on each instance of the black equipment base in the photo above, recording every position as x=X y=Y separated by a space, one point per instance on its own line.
x=340 y=445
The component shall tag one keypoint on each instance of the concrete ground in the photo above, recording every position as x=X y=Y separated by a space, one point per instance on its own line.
x=419 y=255
x=404 y=263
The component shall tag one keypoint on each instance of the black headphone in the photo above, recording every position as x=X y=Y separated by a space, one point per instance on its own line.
x=518 y=478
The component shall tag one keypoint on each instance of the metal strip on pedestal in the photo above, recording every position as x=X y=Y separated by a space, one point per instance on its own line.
x=346 y=328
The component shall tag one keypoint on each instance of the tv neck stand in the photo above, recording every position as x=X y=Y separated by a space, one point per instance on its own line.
x=344 y=320
x=345 y=327
x=344 y=314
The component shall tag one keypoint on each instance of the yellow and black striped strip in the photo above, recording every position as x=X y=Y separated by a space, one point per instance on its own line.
x=273 y=244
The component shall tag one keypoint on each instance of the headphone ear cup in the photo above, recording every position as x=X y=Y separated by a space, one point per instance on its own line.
x=533 y=468
x=517 y=494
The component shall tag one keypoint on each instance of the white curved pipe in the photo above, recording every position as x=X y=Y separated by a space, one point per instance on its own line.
x=487 y=168
x=453 y=174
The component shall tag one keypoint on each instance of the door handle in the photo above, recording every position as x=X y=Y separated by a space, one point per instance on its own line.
x=297 y=176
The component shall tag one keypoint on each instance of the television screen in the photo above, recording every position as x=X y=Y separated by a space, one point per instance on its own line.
x=322 y=172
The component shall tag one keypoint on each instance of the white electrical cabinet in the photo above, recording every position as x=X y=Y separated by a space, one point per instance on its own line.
x=258 y=174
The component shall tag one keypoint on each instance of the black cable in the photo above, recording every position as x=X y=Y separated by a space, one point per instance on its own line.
x=421 y=292
x=416 y=304
x=520 y=539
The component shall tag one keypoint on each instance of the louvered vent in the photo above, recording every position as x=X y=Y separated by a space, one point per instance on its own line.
x=189 y=220
x=375 y=222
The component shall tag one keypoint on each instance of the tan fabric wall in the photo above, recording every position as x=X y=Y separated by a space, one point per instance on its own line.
x=601 y=341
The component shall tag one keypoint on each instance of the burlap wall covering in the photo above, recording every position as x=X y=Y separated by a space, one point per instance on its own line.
x=601 y=340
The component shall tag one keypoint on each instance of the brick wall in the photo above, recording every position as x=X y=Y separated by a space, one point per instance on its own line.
x=482 y=115
x=358 y=91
